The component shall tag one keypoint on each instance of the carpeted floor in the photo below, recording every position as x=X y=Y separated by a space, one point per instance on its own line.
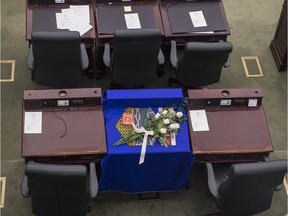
x=252 y=25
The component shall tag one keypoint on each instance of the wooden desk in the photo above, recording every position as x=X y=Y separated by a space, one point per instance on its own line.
x=46 y=21
x=278 y=45
x=72 y=126
x=112 y=17
x=238 y=130
x=176 y=13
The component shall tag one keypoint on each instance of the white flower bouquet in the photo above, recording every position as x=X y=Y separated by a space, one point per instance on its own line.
x=161 y=126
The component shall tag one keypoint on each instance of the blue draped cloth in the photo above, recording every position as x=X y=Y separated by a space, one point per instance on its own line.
x=165 y=168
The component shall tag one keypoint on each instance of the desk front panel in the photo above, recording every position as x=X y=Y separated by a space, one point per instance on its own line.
x=164 y=168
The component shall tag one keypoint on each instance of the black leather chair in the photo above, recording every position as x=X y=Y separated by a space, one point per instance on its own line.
x=199 y=63
x=57 y=59
x=245 y=189
x=135 y=57
x=59 y=190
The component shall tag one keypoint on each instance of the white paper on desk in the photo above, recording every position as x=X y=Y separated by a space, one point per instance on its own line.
x=132 y=21
x=81 y=12
x=81 y=28
x=199 y=120
x=198 y=19
x=62 y=21
x=33 y=123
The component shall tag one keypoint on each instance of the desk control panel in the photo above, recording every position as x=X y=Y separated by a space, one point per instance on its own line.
x=45 y=2
x=222 y=99
x=71 y=98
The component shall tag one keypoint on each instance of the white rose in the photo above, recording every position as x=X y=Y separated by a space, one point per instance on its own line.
x=179 y=114
x=174 y=126
x=165 y=112
x=166 y=121
x=157 y=116
x=163 y=131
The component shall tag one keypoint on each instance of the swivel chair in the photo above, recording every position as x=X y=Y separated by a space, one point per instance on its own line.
x=59 y=190
x=135 y=57
x=199 y=63
x=245 y=189
x=57 y=59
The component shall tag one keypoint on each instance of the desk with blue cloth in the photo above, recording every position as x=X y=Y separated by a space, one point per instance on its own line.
x=164 y=168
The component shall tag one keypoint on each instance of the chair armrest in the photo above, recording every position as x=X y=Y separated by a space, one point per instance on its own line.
x=84 y=56
x=30 y=59
x=24 y=187
x=173 y=54
x=227 y=64
x=212 y=181
x=106 y=55
x=161 y=58
x=93 y=180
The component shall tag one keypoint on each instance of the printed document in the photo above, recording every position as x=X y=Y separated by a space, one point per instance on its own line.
x=132 y=21
x=199 y=120
x=198 y=19
x=33 y=123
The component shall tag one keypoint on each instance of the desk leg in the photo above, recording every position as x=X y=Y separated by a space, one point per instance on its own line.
x=91 y=67
x=100 y=67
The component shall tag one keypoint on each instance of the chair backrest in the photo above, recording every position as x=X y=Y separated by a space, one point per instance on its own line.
x=57 y=58
x=135 y=56
x=201 y=63
x=249 y=187
x=58 y=190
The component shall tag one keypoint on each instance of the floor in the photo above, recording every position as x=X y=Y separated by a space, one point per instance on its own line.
x=252 y=25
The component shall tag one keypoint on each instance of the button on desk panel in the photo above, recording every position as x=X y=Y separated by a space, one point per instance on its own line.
x=72 y=128
x=178 y=25
x=238 y=130
x=164 y=168
x=42 y=18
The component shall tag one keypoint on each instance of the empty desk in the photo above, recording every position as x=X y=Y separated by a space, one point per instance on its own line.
x=111 y=16
x=42 y=17
x=210 y=22
x=63 y=126
x=228 y=125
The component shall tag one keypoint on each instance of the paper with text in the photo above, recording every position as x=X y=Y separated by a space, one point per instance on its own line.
x=198 y=19
x=33 y=123
x=132 y=21
x=199 y=120
x=74 y=18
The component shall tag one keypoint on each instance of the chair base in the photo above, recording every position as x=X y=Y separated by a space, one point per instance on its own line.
x=118 y=86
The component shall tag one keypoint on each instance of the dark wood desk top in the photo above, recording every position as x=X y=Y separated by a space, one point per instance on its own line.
x=118 y=20
x=237 y=131
x=205 y=6
x=49 y=23
x=68 y=131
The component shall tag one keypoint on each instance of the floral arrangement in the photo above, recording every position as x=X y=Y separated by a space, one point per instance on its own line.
x=161 y=126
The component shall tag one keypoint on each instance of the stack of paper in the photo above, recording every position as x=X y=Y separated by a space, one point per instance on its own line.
x=75 y=18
